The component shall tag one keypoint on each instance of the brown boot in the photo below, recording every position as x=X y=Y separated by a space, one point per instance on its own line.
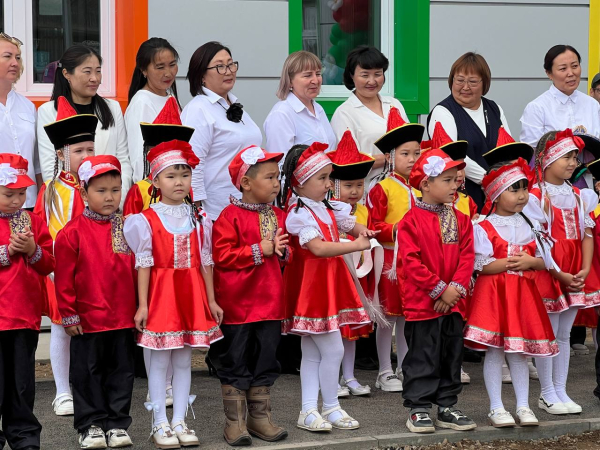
x=234 y=404
x=259 y=415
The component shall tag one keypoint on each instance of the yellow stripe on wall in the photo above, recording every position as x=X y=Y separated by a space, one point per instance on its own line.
x=594 y=43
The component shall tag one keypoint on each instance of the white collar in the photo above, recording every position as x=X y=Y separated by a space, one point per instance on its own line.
x=516 y=220
x=553 y=189
x=561 y=96
x=297 y=105
x=214 y=98
x=311 y=203
x=355 y=101
x=177 y=211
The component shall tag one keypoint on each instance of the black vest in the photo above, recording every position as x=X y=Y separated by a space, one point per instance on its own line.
x=470 y=132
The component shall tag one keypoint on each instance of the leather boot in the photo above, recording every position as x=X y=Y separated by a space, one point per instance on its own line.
x=234 y=404
x=259 y=415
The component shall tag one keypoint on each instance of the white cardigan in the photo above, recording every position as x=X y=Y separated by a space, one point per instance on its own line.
x=107 y=142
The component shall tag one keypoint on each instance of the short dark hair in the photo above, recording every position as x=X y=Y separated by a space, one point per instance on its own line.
x=199 y=64
x=365 y=57
x=554 y=52
x=111 y=173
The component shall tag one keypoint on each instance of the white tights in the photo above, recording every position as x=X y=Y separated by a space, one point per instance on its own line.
x=169 y=377
x=384 y=343
x=348 y=362
x=553 y=372
x=60 y=359
x=492 y=375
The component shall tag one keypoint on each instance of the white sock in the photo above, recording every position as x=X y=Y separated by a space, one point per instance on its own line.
x=60 y=358
x=560 y=363
x=181 y=360
x=159 y=361
x=401 y=345
x=544 y=367
x=492 y=376
x=348 y=362
x=384 y=345
x=519 y=372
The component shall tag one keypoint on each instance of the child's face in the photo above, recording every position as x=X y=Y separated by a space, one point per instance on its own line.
x=103 y=194
x=460 y=176
x=11 y=200
x=563 y=167
x=351 y=191
x=440 y=189
x=512 y=200
x=264 y=186
x=77 y=153
x=174 y=183
x=597 y=186
x=317 y=186
x=405 y=158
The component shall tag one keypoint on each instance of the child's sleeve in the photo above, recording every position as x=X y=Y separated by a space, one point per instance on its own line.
x=42 y=260
x=466 y=261
x=377 y=205
x=138 y=235
x=533 y=209
x=301 y=223
x=472 y=207
x=484 y=252
x=228 y=251
x=590 y=202
x=206 y=251
x=66 y=250
x=40 y=205
x=343 y=216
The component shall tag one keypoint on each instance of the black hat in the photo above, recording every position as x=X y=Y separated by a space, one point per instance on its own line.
x=70 y=127
x=348 y=163
x=507 y=150
x=592 y=144
x=166 y=126
x=594 y=168
x=399 y=132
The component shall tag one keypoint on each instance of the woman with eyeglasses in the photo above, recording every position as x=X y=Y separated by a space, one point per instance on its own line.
x=222 y=127
x=467 y=115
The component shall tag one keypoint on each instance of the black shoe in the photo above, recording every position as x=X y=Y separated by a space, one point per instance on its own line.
x=472 y=356
x=420 y=422
x=366 y=363
x=454 y=419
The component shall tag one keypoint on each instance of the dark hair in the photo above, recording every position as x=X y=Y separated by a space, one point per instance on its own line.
x=72 y=58
x=145 y=56
x=111 y=173
x=199 y=64
x=554 y=52
x=366 y=57
x=474 y=63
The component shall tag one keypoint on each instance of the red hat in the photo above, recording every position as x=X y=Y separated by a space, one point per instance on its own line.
x=455 y=149
x=432 y=164
x=348 y=162
x=70 y=127
x=13 y=171
x=94 y=166
x=246 y=158
x=498 y=181
x=169 y=154
x=563 y=143
x=398 y=132
x=310 y=162
x=507 y=149
x=166 y=126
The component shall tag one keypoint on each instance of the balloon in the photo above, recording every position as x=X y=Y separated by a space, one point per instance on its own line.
x=353 y=16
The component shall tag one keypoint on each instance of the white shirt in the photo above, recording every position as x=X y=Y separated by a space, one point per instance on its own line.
x=291 y=123
x=216 y=140
x=365 y=125
x=143 y=107
x=17 y=133
x=554 y=110
x=473 y=171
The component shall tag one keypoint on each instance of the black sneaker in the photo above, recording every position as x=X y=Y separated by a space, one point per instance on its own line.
x=93 y=437
x=454 y=419
x=420 y=422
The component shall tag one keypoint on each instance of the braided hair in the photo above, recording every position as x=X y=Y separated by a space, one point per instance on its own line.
x=147 y=148
x=50 y=197
x=539 y=156
x=516 y=185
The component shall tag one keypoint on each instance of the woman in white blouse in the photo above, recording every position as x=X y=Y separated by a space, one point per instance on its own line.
x=153 y=80
x=297 y=118
x=365 y=112
x=222 y=127
x=78 y=77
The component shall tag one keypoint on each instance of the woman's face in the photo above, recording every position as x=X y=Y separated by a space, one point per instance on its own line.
x=306 y=85
x=368 y=82
x=85 y=79
x=566 y=72
x=467 y=89
x=161 y=72
x=10 y=62
x=219 y=83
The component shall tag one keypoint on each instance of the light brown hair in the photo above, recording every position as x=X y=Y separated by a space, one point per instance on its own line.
x=472 y=62
x=295 y=63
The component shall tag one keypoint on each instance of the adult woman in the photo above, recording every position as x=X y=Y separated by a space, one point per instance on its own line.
x=365 y=112
x=78 y=76
x=222 y=127
x=17 y=114
x=467 y=115
x=152 y=82
x=297 y=118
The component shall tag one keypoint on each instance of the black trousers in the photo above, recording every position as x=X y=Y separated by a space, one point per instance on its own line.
x=432 y=365
x=578 y=335
x=597 y=389
x=102 y=374
x=246 y=356
x=20 y=427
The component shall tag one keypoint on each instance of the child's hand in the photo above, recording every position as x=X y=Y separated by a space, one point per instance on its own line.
x=572 y=284
x=216 y=312
x=450 y=296
x=362 y=242
x=75 y=330
x=141 y=316
x=23 y=243
x=281 y=240
x=520 y=261
x=441 y=307
x=476 y=217
x=370 y=233
x=268 y=247
x=581 y=275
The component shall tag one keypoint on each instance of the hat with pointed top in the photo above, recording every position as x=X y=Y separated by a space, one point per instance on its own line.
x=166 y=126
x=399 y=132
x=348 y=162
x=70 y=127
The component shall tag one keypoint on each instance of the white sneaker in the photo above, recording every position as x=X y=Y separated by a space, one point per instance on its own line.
x=343 y=391
x=501 y=418
x=506 y=378
x=93 y=437
x=399 y=374
x=580 y=349
x=388 y=382
x=573 y=408
x=533 y=374
x=464 y=377
x=63 y=405
x=527 y=417
x=117 y=437
x=552 y=408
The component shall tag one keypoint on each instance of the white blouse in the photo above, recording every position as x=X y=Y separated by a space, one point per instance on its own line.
x=216 y=140
x=144 y=107
x=302 y=223
x=290 y=123
x=176 y=220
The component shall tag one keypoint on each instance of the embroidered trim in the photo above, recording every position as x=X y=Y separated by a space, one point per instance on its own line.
x=559 y=149
x=71 y=321
x=87 y=212
x=182 y=255
x=308 y=325
x=37 y=255
x=206 y=258
x=542 y=347
x=19 y=221
x=8 y=215
x=257 y=254
x=556 y=305
x=481 y=261
x=516 y=220
x=588 y=222
x=503 y=182
x=592 y=299
x=267 y=221
x=4 y=256
x=249 y=206
x=167 y=159
x=438 y=289
x=307 y=234
x=311 y=166
x=512 y=250
x=553 y=189
x=178 y=339
x=571 y=224
x=428 y=207
x=448 y=225
x=459 y=287
x=143 y=261
x=177 y=211
x=346 y=225
x=119 y=244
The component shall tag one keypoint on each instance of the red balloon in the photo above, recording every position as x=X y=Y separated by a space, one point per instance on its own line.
x=353 y=16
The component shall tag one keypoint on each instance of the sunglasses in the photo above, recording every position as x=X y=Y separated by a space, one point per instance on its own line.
x=14 y=40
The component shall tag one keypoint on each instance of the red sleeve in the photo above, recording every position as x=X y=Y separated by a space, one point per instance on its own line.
x=229 y=252
x=472 y=207
x=134 y=203
x=466 y=262
x=377 y=202
x=42 y=261
x=64 y=277
x=40 y=204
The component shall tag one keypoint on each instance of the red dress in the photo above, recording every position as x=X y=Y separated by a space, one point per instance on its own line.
x=506 y=309
x=319 y=292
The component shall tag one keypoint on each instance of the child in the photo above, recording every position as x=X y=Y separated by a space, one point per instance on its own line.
x=249 y=248
x=349 y=170
x=58 y=202
x=564 y=211
x=95 y=289
x=318 y=288
x=507 y=317
x=177 y=308
x=25 y=256
x=437 y=256
x=388 y=201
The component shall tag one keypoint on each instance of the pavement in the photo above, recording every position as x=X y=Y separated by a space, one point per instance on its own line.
x=382 y=416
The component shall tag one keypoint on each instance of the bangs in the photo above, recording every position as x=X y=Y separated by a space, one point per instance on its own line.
x=521 y=184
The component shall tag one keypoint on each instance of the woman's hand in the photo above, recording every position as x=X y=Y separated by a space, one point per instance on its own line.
x=141 y=316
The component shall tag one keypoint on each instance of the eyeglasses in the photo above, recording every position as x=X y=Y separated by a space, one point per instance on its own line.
x=596 y=90
x=222 y=68
x=460 y=82
x=14 y=40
